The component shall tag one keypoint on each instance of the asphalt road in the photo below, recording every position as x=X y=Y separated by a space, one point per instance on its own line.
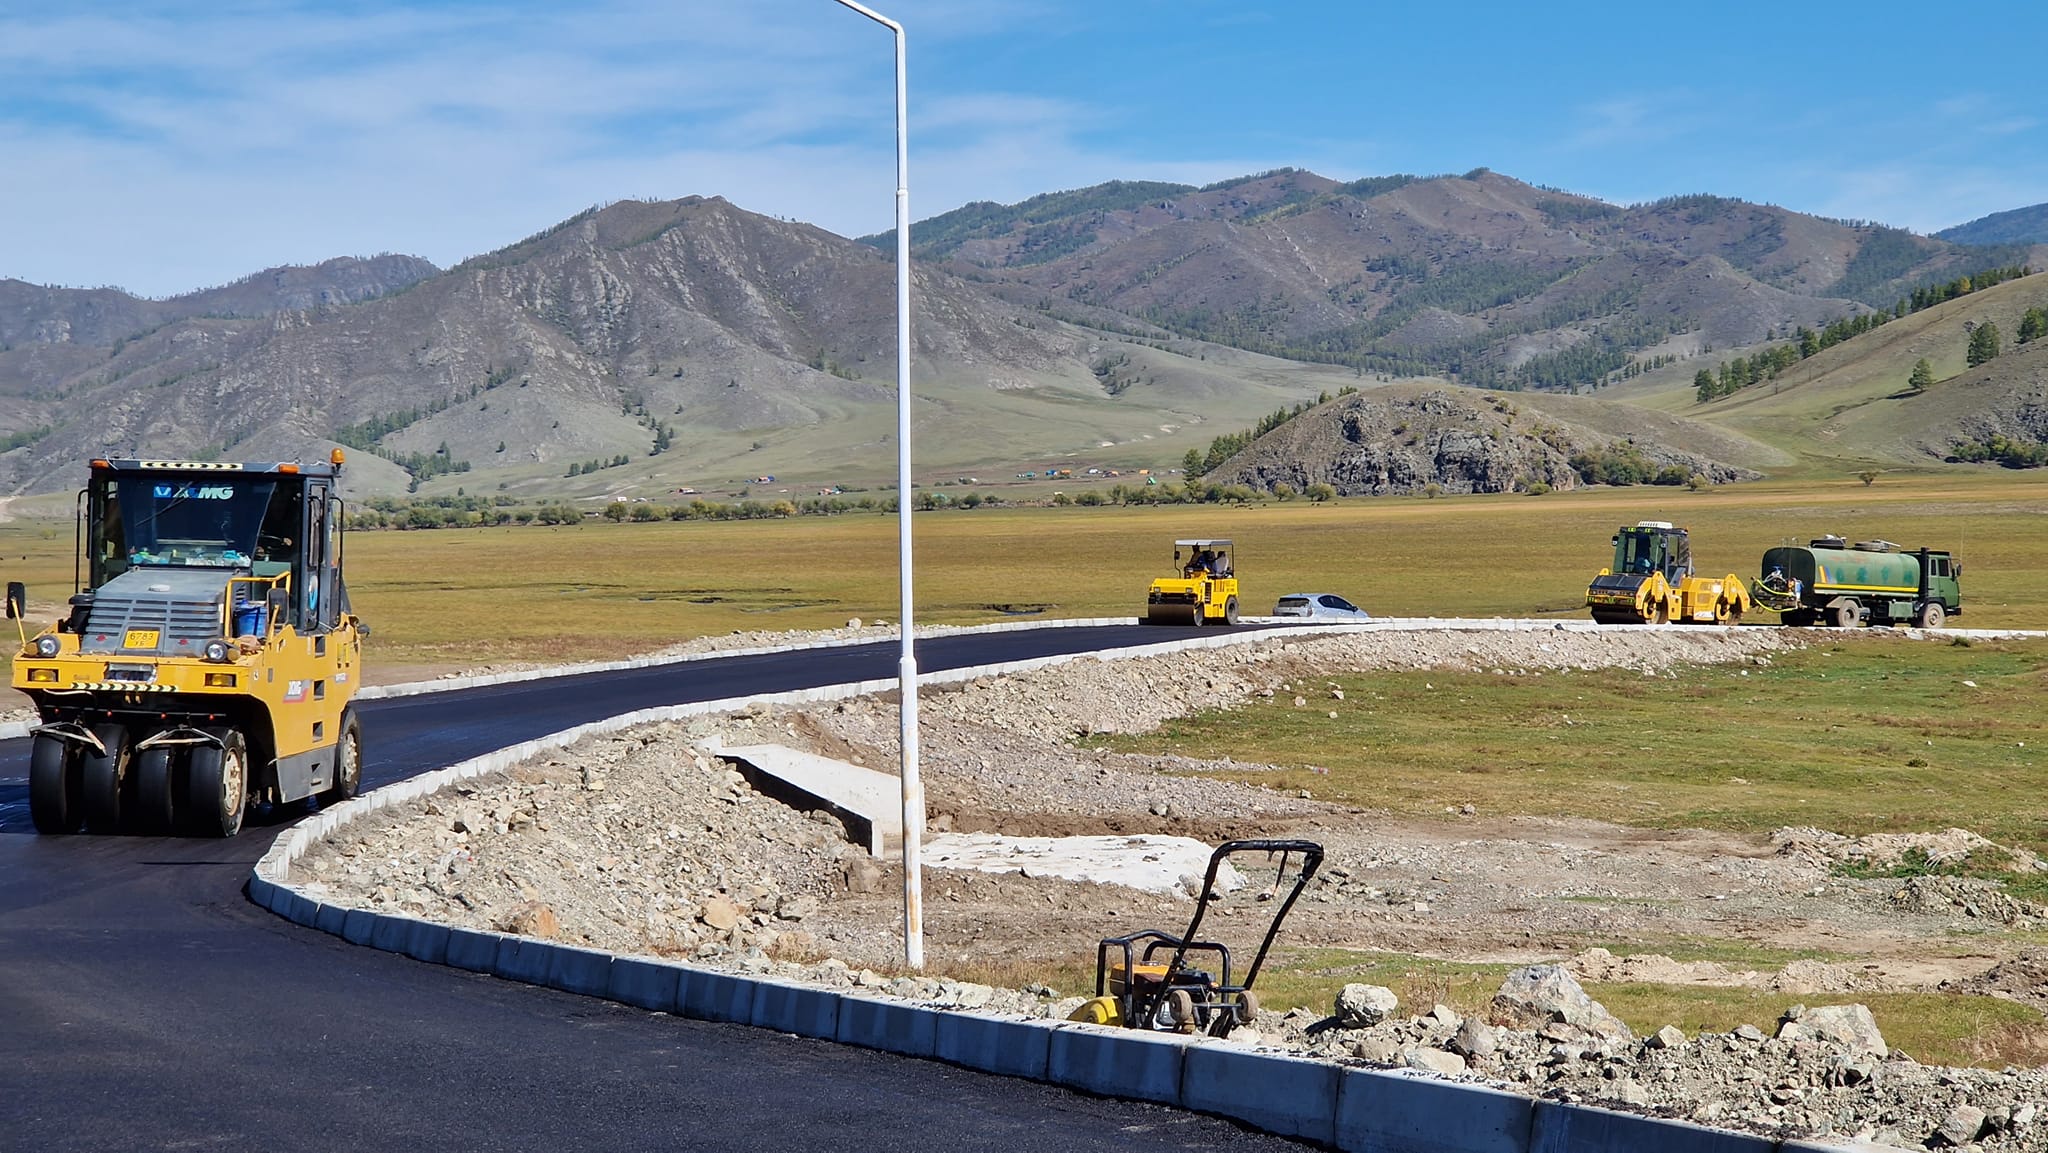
x=146 y=1004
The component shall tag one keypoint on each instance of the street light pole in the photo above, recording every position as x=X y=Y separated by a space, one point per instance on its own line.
x=906 y=665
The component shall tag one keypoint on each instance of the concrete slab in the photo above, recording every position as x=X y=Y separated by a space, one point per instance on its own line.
x=389 y=933
x=523 y=959
x=1128 y=1063
x=426 y=941
x=1285 y=1095
x=709 y=996
x=576 y=970
x=328 y=918
x=472 y=949
x=302 y=909
x=357 y=925
x=1010 y=1046
x=805 y=1010
x=1584 y=1129
x=870 y=803
x=1153 y=862
x=891 y=1026
x=1391 y=1111
x=645 y=984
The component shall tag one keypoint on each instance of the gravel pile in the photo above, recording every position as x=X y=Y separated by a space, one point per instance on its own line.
x=635 y=843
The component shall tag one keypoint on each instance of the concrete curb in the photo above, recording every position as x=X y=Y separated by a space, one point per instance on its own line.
x=1383 y=1111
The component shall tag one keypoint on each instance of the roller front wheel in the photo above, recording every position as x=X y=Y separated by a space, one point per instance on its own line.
x=56 y=801
x=217 y=786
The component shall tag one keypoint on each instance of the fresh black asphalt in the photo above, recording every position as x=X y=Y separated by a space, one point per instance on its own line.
x=146 y=1004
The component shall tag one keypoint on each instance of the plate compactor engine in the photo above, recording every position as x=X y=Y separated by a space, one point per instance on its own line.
x=209 y=655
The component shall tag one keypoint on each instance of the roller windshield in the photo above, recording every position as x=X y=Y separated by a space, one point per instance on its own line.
x=1636 y=552
x=201 y=522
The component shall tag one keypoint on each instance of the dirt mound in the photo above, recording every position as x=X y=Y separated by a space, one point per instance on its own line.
x=1949 y=848
x=1401 y=439
x=1799 y=977
x=2023 y=978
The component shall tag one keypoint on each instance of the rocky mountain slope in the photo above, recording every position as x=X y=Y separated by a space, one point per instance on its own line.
x=652 y=346
x=1499 y=281
x=1402 y=439
x=689 y=337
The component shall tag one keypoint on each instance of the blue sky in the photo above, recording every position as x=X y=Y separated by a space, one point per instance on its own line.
x=172 y=145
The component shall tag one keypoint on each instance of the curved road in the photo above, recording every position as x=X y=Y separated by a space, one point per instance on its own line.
x=146 y=1004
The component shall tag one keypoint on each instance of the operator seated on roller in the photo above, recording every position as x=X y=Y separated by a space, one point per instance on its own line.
x=1203 y=562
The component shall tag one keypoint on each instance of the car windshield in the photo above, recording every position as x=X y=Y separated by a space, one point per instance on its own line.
x=200 y=521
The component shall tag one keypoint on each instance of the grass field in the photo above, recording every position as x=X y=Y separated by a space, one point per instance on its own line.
x=600 y=590
x=1879 y=735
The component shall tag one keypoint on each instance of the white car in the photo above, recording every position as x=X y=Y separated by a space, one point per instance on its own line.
x=1319 y=606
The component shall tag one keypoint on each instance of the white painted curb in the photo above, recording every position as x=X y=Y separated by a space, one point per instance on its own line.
x=1360 y=1110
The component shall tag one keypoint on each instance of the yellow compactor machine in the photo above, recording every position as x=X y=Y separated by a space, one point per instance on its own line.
x=209 y=655
x=1651 y=582
x=1202 y=589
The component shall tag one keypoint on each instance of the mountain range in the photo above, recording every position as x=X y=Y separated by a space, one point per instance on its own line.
x=644 y=347
x=2018 y=226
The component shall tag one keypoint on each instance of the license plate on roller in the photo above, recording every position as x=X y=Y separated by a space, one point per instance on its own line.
x=141 y=639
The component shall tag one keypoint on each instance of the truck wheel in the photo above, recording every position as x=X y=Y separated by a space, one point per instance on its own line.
x=1845 y=616
x=54 y=800
x=101 y=778
x=1230 y=611
x=348 y=761
x=1931 y=616
x=217 y=785
x=155 y=790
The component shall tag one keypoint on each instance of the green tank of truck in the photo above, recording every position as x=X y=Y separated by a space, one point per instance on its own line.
x=1833 y=582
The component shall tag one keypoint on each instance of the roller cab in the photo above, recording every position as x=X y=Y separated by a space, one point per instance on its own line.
x=209 y=654
x=1651 y=581
x=1202 y=589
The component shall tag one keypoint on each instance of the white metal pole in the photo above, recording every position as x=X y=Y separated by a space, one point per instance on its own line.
x=906 y=665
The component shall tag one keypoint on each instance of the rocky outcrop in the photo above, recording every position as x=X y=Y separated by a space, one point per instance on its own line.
x=1404 y=440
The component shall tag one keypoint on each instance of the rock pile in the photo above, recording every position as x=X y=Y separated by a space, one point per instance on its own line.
x=1823 y=1072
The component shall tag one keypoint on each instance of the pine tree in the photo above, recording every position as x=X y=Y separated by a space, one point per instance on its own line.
x=2033 y=326
x=1984 y=344
x=1703 y=383
x=1923 y=375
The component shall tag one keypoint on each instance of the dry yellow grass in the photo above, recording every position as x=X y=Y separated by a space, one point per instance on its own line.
x=601 y=589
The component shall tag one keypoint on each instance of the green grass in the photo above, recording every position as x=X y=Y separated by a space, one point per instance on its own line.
x=1867 y=736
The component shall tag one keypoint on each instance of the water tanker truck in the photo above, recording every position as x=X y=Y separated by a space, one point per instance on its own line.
x=1872 y=582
